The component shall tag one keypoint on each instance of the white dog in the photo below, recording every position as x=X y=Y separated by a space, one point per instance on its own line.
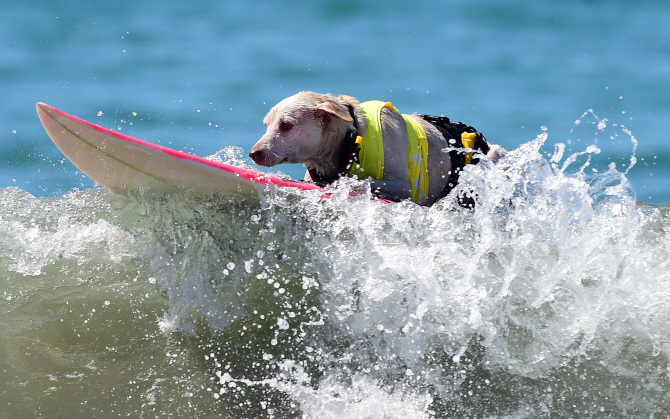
x=414 y=157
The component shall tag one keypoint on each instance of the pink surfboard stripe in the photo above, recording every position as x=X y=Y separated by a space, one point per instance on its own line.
x=251 y=175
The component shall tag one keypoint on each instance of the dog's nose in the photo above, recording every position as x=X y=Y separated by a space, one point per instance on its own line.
x=256 y=155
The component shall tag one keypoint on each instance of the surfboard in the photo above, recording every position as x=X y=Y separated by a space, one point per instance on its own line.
x=123 y=163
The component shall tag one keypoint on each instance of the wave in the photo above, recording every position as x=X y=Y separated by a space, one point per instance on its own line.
x=549 y=299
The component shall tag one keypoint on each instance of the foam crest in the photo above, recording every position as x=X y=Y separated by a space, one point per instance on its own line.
x=38 y=232
x=434 y=311
x=553 y=287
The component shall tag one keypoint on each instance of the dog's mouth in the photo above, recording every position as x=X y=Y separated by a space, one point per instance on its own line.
x=278 y=159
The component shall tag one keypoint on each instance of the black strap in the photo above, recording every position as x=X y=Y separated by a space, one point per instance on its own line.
x=452 y=133
x=345 y=157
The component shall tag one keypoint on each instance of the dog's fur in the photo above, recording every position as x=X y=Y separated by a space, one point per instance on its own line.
x=309 y=128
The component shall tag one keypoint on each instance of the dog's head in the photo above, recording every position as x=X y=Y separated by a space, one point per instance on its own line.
x=305 y=128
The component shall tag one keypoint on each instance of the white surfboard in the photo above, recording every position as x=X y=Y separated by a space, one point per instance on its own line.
x=121 y=163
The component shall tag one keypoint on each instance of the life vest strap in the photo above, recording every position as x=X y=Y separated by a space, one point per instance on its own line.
x=459 y=136
x=350 y=146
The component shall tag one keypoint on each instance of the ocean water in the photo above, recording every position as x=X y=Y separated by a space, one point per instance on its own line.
x=551 y=299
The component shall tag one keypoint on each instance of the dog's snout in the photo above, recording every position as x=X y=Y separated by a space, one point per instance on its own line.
x=259 y=156
x=254 y=154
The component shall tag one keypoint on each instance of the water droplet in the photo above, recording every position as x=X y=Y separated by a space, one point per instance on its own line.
x=100 y=113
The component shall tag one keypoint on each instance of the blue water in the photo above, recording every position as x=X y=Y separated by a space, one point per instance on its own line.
x=550 y=300
x=505 y=68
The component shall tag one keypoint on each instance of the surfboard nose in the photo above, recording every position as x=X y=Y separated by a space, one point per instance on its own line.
x=41 y=108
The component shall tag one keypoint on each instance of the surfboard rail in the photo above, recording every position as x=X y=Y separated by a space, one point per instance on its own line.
x=120 y=162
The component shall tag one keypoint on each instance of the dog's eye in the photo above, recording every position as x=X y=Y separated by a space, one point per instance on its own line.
x=285 y=126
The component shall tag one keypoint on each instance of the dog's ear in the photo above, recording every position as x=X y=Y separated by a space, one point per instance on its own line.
x=325 y=110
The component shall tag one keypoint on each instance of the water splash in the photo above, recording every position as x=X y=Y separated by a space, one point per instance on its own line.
x=233 y=155
x=443 y=311
x=549 y=299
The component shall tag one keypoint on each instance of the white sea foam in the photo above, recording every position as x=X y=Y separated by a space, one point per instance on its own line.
x=550 y=298
x=411 y=308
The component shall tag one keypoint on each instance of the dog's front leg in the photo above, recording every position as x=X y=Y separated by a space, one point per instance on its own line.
x=393 y=190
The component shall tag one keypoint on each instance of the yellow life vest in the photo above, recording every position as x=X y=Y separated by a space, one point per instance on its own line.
x=371 y=153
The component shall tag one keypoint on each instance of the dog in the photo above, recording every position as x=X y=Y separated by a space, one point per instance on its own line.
x=331 y=136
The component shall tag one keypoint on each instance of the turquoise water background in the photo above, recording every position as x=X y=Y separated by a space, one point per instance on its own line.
x=201 y=75
x=550 y=299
